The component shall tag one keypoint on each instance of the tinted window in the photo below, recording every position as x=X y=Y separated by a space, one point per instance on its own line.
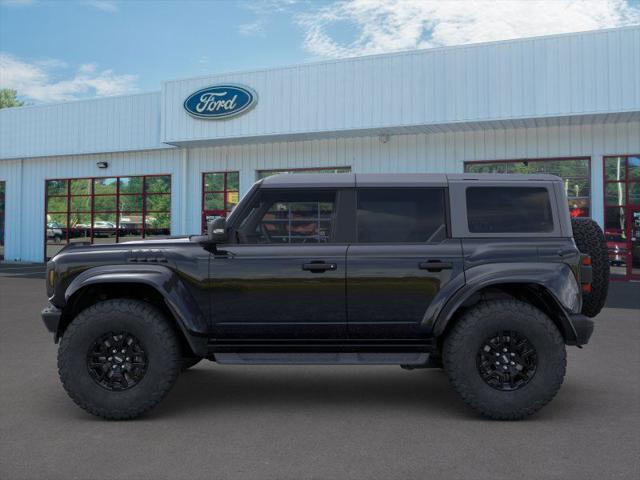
x=290 y=217
x=401 y=215
x=509 y=210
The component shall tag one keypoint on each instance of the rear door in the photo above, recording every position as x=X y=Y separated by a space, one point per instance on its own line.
x=400 y=260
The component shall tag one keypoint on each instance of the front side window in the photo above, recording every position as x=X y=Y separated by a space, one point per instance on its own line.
x=106 y=210
x=290 y=218
x=401 y=215
x=509 y=210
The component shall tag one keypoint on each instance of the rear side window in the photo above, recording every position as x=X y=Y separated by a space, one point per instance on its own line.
x=509 y=210
x=408 y=215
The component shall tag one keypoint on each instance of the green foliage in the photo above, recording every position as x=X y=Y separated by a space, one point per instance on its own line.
x=8 y=98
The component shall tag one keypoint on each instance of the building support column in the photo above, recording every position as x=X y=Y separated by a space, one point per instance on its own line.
x=184 y=191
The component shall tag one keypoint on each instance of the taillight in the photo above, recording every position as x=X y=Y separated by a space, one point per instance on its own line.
x=586 y=260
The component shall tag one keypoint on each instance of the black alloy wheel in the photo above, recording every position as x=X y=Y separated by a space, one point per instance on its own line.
x=507 y=361
x=117 y=361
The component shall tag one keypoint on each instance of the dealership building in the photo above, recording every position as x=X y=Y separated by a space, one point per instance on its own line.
x=160 y=163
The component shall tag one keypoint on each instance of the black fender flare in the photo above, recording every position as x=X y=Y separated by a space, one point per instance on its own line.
x=177 y=297
x=557 y=279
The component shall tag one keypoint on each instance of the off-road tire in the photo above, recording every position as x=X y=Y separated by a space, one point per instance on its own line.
x=188 y=362
x=590 y=240
x=469 y=333
x=155 y=333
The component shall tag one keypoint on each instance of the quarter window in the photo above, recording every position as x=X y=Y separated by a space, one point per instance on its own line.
x=401 y=215
x=575 y=174
x=290 y=217
x=509 y=210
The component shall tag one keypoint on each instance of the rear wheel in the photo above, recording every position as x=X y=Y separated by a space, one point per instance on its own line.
x=590 y=240
x=505 y=358
x=119 y=358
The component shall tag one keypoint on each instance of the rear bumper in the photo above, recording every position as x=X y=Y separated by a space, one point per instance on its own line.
x=583 y=327
x=51 y=317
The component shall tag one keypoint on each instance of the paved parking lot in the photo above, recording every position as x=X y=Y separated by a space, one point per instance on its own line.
x=227 y=422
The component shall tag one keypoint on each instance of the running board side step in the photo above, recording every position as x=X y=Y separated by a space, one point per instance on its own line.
x=330 y=346
x=413 y=359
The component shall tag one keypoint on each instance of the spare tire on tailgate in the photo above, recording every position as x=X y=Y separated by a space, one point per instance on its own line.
x=590 y=240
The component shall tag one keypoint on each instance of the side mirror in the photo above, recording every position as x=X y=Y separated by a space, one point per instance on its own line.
x=217 y=230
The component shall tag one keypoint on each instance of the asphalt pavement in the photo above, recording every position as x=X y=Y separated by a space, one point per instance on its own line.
x=320 y=422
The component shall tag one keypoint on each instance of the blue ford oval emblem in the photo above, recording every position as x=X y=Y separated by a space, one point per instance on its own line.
x=220 y=101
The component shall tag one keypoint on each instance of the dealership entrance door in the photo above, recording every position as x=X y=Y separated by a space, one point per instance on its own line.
x=622 y=215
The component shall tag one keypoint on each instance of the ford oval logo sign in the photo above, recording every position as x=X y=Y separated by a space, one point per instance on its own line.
x=220 y=101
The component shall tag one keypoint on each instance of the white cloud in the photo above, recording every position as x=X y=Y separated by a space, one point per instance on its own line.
x=104 y=5
x=252 y=29
x=36 y=81
x=388 y=25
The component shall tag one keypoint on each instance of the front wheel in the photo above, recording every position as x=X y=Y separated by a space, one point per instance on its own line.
x=505 y=358
x=119 y=358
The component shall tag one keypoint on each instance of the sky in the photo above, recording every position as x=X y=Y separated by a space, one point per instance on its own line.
x=59 y=50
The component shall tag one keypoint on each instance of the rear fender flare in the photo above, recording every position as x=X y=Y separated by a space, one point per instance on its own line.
x=555 y=278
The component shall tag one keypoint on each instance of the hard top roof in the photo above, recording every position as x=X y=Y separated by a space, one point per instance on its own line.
x=345 y=180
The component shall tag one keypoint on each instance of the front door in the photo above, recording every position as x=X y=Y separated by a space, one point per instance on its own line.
x=401 y=259
x=285 y=278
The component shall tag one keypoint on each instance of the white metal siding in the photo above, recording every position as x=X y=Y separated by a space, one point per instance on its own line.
x=25 y=200
x=89 y=126
x=547 y=77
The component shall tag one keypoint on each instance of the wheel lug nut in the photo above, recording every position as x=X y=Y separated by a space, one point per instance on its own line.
x=513 y=363
x=504 y=350
x=110 y=358
x=497 y=354
x=505 y=367
x=513 y=354
x=128 y=359
x=497 y=363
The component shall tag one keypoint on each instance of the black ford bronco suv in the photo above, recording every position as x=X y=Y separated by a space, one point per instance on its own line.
x=485 y=276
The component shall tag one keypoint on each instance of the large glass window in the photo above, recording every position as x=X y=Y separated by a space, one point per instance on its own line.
x=2 y=210
x=220 y=194
x=268 y=173
x=290 y=217
x=509 y=210
x=575 y=172
x=410 y=215
x=622 y=214
x=106 y=210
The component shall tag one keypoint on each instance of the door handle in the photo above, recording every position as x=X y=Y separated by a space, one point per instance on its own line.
x=435 y=266
x=318 y=267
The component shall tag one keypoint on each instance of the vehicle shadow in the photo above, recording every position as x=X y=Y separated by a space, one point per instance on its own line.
x=213 y=387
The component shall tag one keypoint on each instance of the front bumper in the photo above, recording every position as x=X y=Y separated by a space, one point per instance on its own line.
x=51 y=317
x=583 y=327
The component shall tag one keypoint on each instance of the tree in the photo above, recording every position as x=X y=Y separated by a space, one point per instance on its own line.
x=8 y=98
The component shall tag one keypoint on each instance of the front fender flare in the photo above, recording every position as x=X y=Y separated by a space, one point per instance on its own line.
x=165 y=281
x=556 y=278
